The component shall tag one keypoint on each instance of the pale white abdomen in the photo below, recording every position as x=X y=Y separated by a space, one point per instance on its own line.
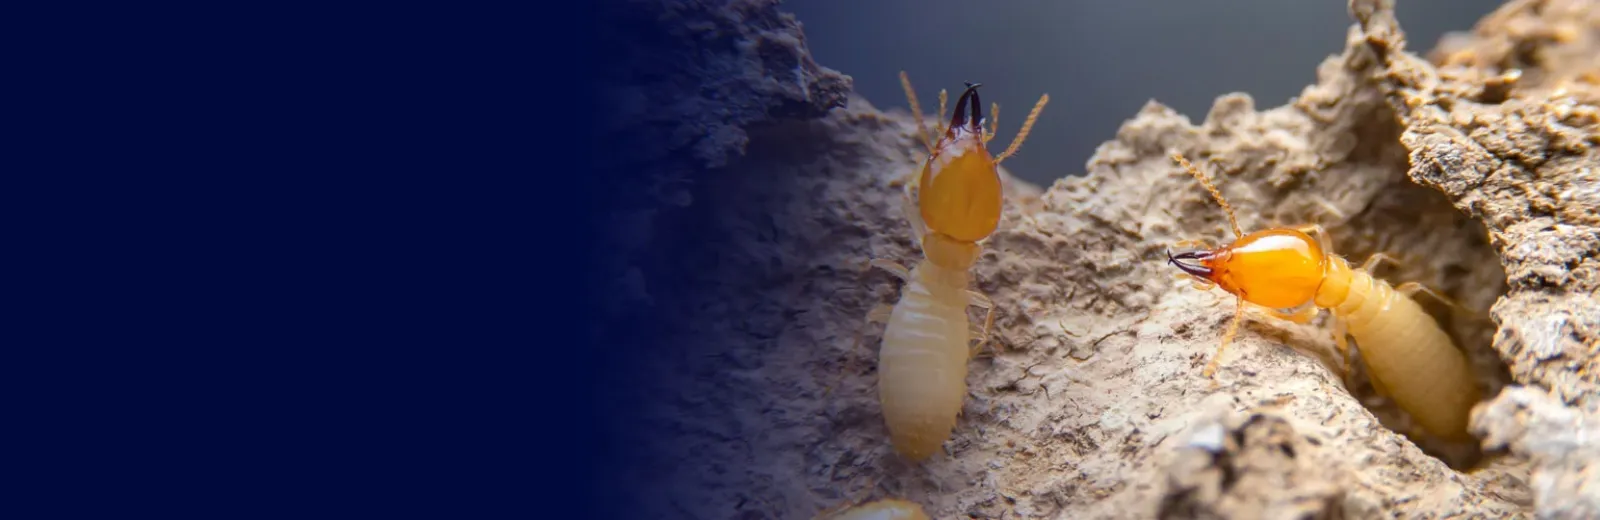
x=1414 y=361
x=922 y=363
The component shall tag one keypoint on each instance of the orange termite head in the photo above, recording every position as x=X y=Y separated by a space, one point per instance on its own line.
x=960 y=193
x=1276 y=268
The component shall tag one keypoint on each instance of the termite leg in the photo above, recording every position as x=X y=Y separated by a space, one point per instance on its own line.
x=1410 y=288
x=1303 y=315
x=1318 y=232
x=1329 y=207
x=977 y=299
x=834 y=510
x=1372 y=261
x=863 y=494
x=1233 y=329
x=913 y=213
x=907 y=180
x=1199 y=284
x=840 y=507
x=1342 y=342
x=899 y=271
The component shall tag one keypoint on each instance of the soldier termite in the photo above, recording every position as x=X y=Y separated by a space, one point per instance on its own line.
x=884 y=509
x=1287 y=273
x=922 y=363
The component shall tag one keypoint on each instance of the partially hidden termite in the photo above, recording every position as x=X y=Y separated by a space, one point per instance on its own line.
x=922 y=362
x=884 y=509
x=1291 y=273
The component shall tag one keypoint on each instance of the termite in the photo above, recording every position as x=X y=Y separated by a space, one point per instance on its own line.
x=1291 y=273
x=922 y=362
x=885 y=509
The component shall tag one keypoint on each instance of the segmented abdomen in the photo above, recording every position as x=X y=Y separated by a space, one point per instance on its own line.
x=922 y=366
x=1410 y=356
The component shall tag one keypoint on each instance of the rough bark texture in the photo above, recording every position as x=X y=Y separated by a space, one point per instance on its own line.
x=1504 y=122
x=1094 y=405
x=686 y=80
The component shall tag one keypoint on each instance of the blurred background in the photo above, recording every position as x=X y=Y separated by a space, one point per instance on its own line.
x=1100 y=61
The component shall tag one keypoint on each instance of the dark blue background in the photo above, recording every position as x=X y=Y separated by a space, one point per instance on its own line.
x=321 y=260
x=1099 y=61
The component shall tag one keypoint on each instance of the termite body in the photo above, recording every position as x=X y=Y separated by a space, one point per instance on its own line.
x=1291 y=273
x=885 y=509
x=922 y=361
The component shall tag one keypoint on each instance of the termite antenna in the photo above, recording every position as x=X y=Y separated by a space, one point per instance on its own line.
x=944 y=96
x=1215 y=194
x=916 y=111
x=1026 y=127
x=994 y=123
